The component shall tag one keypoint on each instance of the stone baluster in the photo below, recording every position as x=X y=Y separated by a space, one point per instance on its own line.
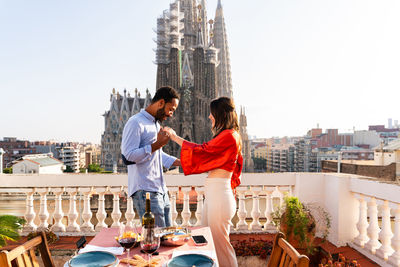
x=269 y=209
x=255 y=212
x=116 y=213
x=242 y=214
x=130 y=213
x=101 y=214
x=30 y=214
x=186 y=208
x=43 y=212
x=200 y=207
x=394 y=259
x=290 y=192
x=280 y=194
x=373 y=229
x=73 y=215
x=174 y=212
x=385 y=235
x=362 y=224
x=87 y=226
x=58 y=215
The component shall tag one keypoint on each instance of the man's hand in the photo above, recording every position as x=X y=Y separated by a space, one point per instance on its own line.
x=162 y=139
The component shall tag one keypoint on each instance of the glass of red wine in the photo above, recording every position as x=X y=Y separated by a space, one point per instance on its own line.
x=150 y=241
x=127 y=238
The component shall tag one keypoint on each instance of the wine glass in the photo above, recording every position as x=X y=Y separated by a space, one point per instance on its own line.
x=127 y=238
x=150 y=241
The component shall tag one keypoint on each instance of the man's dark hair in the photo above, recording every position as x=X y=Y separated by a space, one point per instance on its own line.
x=167 y=93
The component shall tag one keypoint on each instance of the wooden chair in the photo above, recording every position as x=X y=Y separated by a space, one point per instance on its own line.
x=283 y=254
x=24 y=255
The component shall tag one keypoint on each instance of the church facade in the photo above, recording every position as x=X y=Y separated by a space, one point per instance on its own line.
x=122 y=107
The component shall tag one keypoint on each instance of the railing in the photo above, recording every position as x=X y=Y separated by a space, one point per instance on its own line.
x=375 y=203
x=356 y=205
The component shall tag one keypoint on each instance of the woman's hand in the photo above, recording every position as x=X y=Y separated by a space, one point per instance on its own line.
x=173 y=136
x=170 y=131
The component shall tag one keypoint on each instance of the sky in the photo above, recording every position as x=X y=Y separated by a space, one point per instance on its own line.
x=295 y=64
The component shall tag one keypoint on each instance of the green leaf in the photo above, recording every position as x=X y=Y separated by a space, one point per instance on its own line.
x=9 y=226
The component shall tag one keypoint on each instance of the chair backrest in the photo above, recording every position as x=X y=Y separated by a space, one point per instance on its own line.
x=24 y=255
x=283 y=254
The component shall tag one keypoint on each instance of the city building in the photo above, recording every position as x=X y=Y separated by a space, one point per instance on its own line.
x=280 y=157
x=356 y=153
x=332 y=138
x=260 y=151
x=92 y=155
x=383 y=164
x=366 y=139
x=325 y=154
x=386 y=134
x=70 y=156
x=38 y=163
x=43 y=147
x=15 y=149
x=387 y=154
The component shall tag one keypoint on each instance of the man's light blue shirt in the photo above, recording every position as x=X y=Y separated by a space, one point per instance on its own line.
x=139 y=133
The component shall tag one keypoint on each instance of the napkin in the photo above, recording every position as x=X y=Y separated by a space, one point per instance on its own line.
x=113 y=250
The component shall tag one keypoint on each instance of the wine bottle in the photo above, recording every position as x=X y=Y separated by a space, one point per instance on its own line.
x=148 y=217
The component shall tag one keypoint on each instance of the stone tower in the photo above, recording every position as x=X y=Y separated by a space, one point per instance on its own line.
x=248 y=165
x=186 y=59
x=223 y=74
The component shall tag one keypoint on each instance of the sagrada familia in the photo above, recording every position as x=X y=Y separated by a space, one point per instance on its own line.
x=192 y=56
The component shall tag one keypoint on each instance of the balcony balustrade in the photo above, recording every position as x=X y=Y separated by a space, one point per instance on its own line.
x=356 y=205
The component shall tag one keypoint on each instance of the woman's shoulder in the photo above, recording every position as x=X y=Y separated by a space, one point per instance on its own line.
x=229 y=134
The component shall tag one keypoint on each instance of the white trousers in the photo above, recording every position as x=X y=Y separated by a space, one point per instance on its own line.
x=219 y=209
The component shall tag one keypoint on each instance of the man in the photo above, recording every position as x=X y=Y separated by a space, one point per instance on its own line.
x=142 y=142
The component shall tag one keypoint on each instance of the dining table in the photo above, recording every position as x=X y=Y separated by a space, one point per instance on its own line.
x=105 y=239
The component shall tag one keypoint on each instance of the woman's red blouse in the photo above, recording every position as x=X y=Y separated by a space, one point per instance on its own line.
x=222 y=152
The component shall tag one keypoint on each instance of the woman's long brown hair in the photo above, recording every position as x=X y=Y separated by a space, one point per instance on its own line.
x=224 y=113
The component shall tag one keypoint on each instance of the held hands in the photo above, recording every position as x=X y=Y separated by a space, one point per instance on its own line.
x=173 y=136
x=171 y=132
x=163 y=137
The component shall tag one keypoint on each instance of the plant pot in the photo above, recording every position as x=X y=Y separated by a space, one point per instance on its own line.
x=304 y=239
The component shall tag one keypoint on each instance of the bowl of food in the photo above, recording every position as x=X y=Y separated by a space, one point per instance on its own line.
x=174 y=236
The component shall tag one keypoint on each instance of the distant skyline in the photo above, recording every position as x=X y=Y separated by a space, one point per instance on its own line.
x=295 y=64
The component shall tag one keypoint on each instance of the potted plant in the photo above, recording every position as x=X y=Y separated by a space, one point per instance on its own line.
x=50 y=236
x=9 y=227
x=299 y=223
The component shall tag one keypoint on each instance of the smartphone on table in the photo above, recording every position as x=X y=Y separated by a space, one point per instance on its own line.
x=199 y=240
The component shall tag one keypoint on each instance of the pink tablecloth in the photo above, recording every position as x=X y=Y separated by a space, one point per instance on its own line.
x=106 y=238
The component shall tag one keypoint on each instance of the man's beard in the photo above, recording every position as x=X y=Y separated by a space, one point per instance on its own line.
x=160 y=114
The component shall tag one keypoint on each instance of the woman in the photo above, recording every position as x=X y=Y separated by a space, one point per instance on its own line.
x=222 y=158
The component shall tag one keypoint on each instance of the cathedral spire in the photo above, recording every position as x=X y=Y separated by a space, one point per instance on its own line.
x=248 y=165
x=224 y=78
x=200 y=38
x=211 y=42
x=204 y=28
